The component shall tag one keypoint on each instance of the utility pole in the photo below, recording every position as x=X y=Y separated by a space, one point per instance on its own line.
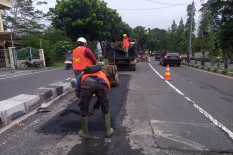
x=190 y=33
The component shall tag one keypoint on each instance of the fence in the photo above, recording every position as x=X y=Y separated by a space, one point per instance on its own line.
x=11 y=58
x=5 y=59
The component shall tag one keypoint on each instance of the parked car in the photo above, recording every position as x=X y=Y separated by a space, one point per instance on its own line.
x=172 y=58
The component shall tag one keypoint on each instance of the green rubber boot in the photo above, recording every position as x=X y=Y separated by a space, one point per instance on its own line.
x=109 y=131
x=84 y=126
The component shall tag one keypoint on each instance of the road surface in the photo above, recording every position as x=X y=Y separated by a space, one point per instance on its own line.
x=192 y=114
x=21 y=82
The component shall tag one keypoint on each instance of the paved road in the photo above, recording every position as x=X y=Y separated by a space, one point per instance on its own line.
x=20 y=82
x=149 y=115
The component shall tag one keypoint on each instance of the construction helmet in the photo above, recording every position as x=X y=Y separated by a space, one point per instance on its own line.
x=124 y=35
x=82 y=40
x=146 y=52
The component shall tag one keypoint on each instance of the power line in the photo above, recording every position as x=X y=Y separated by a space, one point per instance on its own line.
x=147 y=9
x=166 y=3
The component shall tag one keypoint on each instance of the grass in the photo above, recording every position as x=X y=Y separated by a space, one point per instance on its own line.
x=58 y=65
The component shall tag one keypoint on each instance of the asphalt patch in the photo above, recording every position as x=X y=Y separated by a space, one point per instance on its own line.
x=68 y=120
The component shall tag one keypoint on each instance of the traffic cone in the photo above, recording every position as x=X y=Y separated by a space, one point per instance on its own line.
x=167 y=74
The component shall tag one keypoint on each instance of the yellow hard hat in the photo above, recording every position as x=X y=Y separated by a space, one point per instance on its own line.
x=124 y=35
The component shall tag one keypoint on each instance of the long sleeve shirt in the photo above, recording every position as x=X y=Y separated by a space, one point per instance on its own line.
x=88 y=54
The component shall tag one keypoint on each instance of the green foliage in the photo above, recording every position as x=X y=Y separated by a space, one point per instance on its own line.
x=223 y=23
x=205 y=33
x=90 y=19
x=60 y=49
x=58 y=64
x=157 y=39
x=182 y=40
x=23 y=17
x=141 y=35
x=53 y=42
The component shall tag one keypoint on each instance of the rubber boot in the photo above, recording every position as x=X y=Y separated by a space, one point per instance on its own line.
x=84 y=126
x=109 y=131
x=126 y=54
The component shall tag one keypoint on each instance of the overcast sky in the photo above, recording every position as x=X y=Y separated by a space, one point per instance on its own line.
x=149 y=13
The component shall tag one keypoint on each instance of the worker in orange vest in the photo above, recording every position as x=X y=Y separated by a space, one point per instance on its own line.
x=88 y=84
x=125 y=44
x=82 y=57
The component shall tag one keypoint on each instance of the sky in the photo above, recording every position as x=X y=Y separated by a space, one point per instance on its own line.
x=148 y=13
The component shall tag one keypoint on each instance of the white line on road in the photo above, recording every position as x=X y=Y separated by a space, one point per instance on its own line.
x=205 y=113
x=28 y=74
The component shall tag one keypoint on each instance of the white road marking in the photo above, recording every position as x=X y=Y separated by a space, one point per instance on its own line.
x=202 y=111
x=28 y=74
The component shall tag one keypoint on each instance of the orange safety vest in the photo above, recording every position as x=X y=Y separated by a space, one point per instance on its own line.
x=125 y=42
x=80 y=62
x=99 y=75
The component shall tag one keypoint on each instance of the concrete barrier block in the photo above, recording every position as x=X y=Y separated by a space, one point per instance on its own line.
x=58 y=90
x=45 y=94
x=230 y=73
x=30 y=101
x=1 y=119
x=224 y=72
x=73 y=84
x=11 y=109
x=66 y=85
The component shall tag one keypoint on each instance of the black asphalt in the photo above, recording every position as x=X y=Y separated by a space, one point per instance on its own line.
x=68 y=119
x=45 y=130
x=148 y=116
x=27 y=83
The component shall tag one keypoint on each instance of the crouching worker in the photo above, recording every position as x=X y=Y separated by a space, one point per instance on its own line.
x=87 y=85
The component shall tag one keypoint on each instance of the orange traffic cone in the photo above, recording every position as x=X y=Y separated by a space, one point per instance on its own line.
x=167 y=74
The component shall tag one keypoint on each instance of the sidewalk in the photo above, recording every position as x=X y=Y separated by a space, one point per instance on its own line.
x=207 y=68
x=230 y=66
x=4 y=73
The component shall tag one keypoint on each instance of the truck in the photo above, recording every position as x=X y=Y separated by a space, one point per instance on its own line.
x=116 y=56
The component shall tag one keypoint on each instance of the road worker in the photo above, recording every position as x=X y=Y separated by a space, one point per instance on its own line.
x=125 y=44
x=147 y=56
x=88 y=84
x=82 y=57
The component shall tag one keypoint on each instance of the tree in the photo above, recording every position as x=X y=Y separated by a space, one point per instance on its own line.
x=23 y=17
x=173 y=39
x=190 y=13
x=223 y=23
x=90 y=19
x=205 y=32
x=141 y=35
x=182 y=41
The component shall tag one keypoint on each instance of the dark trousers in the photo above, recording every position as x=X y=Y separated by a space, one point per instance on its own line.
x=76 y=74
x=89 y=88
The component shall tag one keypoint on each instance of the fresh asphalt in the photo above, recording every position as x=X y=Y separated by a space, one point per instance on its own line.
x=149 y=117
x=21 y=83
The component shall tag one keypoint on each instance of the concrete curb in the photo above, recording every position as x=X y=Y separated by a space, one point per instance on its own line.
x=209 y=69
x=17 y=106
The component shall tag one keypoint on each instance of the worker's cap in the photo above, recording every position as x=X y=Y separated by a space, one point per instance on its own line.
x=124 y=35
x=82 y=40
